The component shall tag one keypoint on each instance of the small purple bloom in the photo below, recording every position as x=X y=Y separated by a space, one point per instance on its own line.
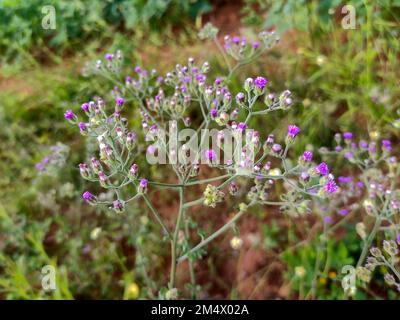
x=213 y=113
x=293 y=130
x=39 y=166
x=344 y=179
x=119 y=101
x=338 y=148
x=241 y=126
x=201 y=78
x=118 y=206
x=210 y=155
x=69 y=115
x=398 y=238
x=109 y=56
x=143 y=184
x=85 y=107
x=134 y=170
x=322 y=169
x=349 y=155
x=82 y=126
x=240 y=97
x=151 y=149
x=131 y=137
x=344 y=212
x=331 y=186
x=260 y=82
x=160 y=80
x=348 y=135
x=87 y=196
x=276 y=147
x=363 y=144
x=387 y=145
x=236 y=40
x=360 y=184
x=328 y=219
x=305 y=176
x=128 y=79
x=138 y=69
x=255 y=45
x=307 y=156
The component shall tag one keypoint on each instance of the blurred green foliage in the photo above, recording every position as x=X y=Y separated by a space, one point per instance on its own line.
x=79 y=21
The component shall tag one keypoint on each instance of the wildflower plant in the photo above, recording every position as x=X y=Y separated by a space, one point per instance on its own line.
x=187 y=99
x=373 y=193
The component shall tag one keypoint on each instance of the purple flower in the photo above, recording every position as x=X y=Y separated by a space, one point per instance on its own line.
x=347 y=135
x=119 y=101
x=344 y=212
x=69 y=115
x=131 y=137
x=293 y=130
x=307 y=156
x=276 y=147
x=151 y=149
x=260 y=83
x=109 y=56
x=210 y=155
x=344 y=180
x=349 y=155
x=134 y=170
x=338 y=149
x=363 y=144
x=328 y=219
x=143 y=185
x=255 y=45
x=240 y=97
x=213 y=113
x=218 y=81
x=387 y=145
x=128 y=79
x=118 y=206
x=241 y=126
x=138 y=69
x=331 y=186
x=398 y=238
x=236 y=40
x=82 y=126
x=39 y=166
x=84 y=169
x=87 y=196
x=322 y=169
x=305 y=176
x=85 y=107
x=201 y=78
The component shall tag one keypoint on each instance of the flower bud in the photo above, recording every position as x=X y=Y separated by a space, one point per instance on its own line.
x=142 y=188
x=131 y=139
x=88 y=197
x=118 y=206
x=84 y=170
x=249 y=84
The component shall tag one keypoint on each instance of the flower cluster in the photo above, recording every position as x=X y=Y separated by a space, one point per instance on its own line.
x=387 y=258
x=186 y=98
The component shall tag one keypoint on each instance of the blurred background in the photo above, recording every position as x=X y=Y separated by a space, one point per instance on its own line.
x=341 y=79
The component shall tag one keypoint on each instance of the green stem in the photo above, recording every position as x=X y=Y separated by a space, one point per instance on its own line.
x=370 y=238
x=216 y=234
x=157 y=216
x=174 y=241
